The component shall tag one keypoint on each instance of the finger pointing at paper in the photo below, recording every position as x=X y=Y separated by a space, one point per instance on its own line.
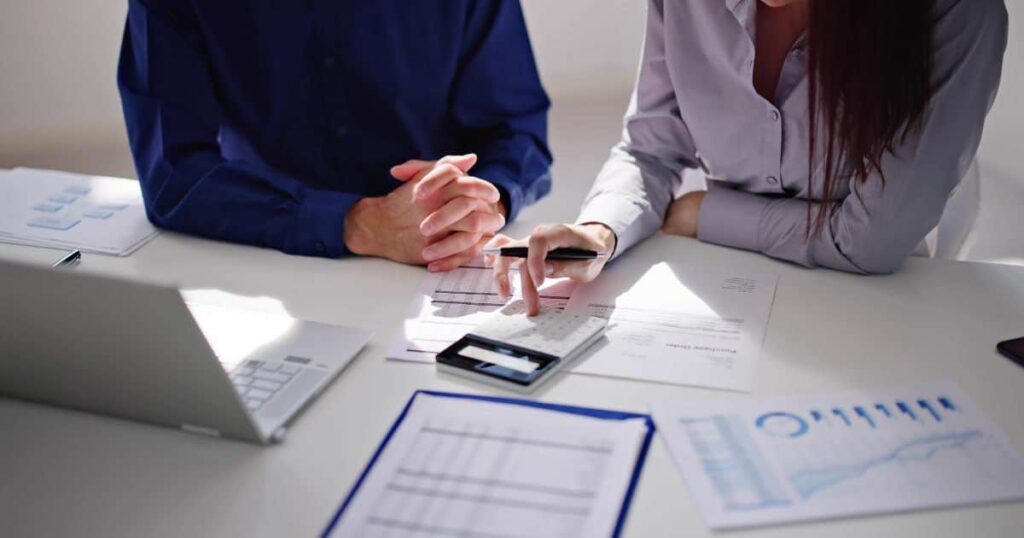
x=536 y=268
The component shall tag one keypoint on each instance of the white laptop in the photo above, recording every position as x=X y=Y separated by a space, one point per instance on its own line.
x=135 y=350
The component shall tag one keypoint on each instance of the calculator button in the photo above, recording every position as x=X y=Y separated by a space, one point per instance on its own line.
x=266 y=385
x=270 y=376
x=258 y=394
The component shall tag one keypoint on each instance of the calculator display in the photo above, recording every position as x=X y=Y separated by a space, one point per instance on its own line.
x=518 y=363
x=493 y=359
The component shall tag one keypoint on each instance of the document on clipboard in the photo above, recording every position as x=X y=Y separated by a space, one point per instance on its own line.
x=459 y=465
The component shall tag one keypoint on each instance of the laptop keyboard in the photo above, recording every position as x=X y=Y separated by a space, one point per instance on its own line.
x=258 y=381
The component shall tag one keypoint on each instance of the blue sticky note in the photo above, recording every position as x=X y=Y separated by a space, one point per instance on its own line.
x=112 y=207
x=80 y=190
x=98 y=214
x=54 y=223
x=63 y=198
x=47 y=208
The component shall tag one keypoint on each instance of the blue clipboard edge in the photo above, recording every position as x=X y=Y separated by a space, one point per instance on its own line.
x=641 y=456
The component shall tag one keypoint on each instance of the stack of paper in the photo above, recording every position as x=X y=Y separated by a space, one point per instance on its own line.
x=449 y=305
x=671 y=323
x=69 y=211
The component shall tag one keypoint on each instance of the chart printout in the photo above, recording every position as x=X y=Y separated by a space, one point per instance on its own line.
x=71 y=211
x=794 y=459
x=472 y=468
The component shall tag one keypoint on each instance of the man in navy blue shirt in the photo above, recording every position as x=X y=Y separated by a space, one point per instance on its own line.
x=404 y=129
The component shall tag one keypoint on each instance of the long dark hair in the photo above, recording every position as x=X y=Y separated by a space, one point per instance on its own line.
x=869 y=72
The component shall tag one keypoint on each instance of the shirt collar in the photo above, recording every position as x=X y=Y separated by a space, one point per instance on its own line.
x=732 y=4
x=744 y=11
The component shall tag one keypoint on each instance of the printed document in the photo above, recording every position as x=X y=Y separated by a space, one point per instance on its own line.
x=70 y=211
x=680 y=324
x=466 y=467
x=686 y=325
x=784 y=460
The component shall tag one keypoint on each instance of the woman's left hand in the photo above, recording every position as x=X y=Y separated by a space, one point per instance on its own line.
x=682 y=215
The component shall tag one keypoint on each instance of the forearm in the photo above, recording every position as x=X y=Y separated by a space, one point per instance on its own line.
x=244 y=203
x=850 y=241
x=630 y=196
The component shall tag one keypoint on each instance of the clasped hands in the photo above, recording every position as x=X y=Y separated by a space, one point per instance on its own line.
x=441 y=216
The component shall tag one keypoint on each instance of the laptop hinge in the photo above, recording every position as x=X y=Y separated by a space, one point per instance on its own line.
x=200 y=430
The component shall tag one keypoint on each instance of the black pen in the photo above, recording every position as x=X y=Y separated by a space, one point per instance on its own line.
x=72 y=258
x=565 y=254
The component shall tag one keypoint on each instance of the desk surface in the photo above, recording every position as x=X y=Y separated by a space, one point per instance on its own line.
x=69 y=473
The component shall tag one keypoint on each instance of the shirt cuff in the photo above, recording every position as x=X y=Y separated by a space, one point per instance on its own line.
x=511 y=190
x=620 y=213
x=320 y=225
x=731 y=218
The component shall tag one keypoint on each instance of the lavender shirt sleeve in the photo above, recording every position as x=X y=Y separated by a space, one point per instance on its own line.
x=695 y=54
x=637 y=183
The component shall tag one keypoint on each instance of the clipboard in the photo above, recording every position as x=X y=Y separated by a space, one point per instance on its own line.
x=569 y=409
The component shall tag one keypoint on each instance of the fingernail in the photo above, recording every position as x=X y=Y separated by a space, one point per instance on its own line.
x=427 y=230
x=432 y=268
x=427 y=254
x=549 y=269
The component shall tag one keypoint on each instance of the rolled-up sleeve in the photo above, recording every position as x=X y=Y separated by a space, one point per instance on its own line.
x=637 y=183
x=880 y=223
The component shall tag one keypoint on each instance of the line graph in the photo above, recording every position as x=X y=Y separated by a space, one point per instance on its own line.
x=809 y=481
x=800 y=458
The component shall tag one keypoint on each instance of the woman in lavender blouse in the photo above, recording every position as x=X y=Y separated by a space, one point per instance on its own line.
x=832 y=133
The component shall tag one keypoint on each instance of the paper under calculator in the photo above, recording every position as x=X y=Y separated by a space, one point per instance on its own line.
x=518 y=352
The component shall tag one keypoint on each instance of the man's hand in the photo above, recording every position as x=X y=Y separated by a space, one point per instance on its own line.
x=683 y=214
x=440 y=217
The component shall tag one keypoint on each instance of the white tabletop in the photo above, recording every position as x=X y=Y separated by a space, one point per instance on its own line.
x=69 y=473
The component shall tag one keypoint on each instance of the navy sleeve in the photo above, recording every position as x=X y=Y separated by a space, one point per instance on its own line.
x=500 y=105
x=173 y=118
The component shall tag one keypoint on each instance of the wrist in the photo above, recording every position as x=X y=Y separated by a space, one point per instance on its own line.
x=359 y=229
x=602 y=234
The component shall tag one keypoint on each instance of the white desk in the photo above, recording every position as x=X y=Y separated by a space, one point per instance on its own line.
x=66 y=473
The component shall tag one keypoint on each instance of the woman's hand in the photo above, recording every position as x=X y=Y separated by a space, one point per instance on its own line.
x=535 y=269
x=683 y=214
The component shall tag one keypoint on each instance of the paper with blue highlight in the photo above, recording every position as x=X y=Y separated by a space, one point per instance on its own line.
x=785 y=460
x=46 y=208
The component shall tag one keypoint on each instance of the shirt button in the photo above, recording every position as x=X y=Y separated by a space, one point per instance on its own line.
x=329 y=61
x=319 y=247
x=773 y=180
x=340 y=131
x=774 y=115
